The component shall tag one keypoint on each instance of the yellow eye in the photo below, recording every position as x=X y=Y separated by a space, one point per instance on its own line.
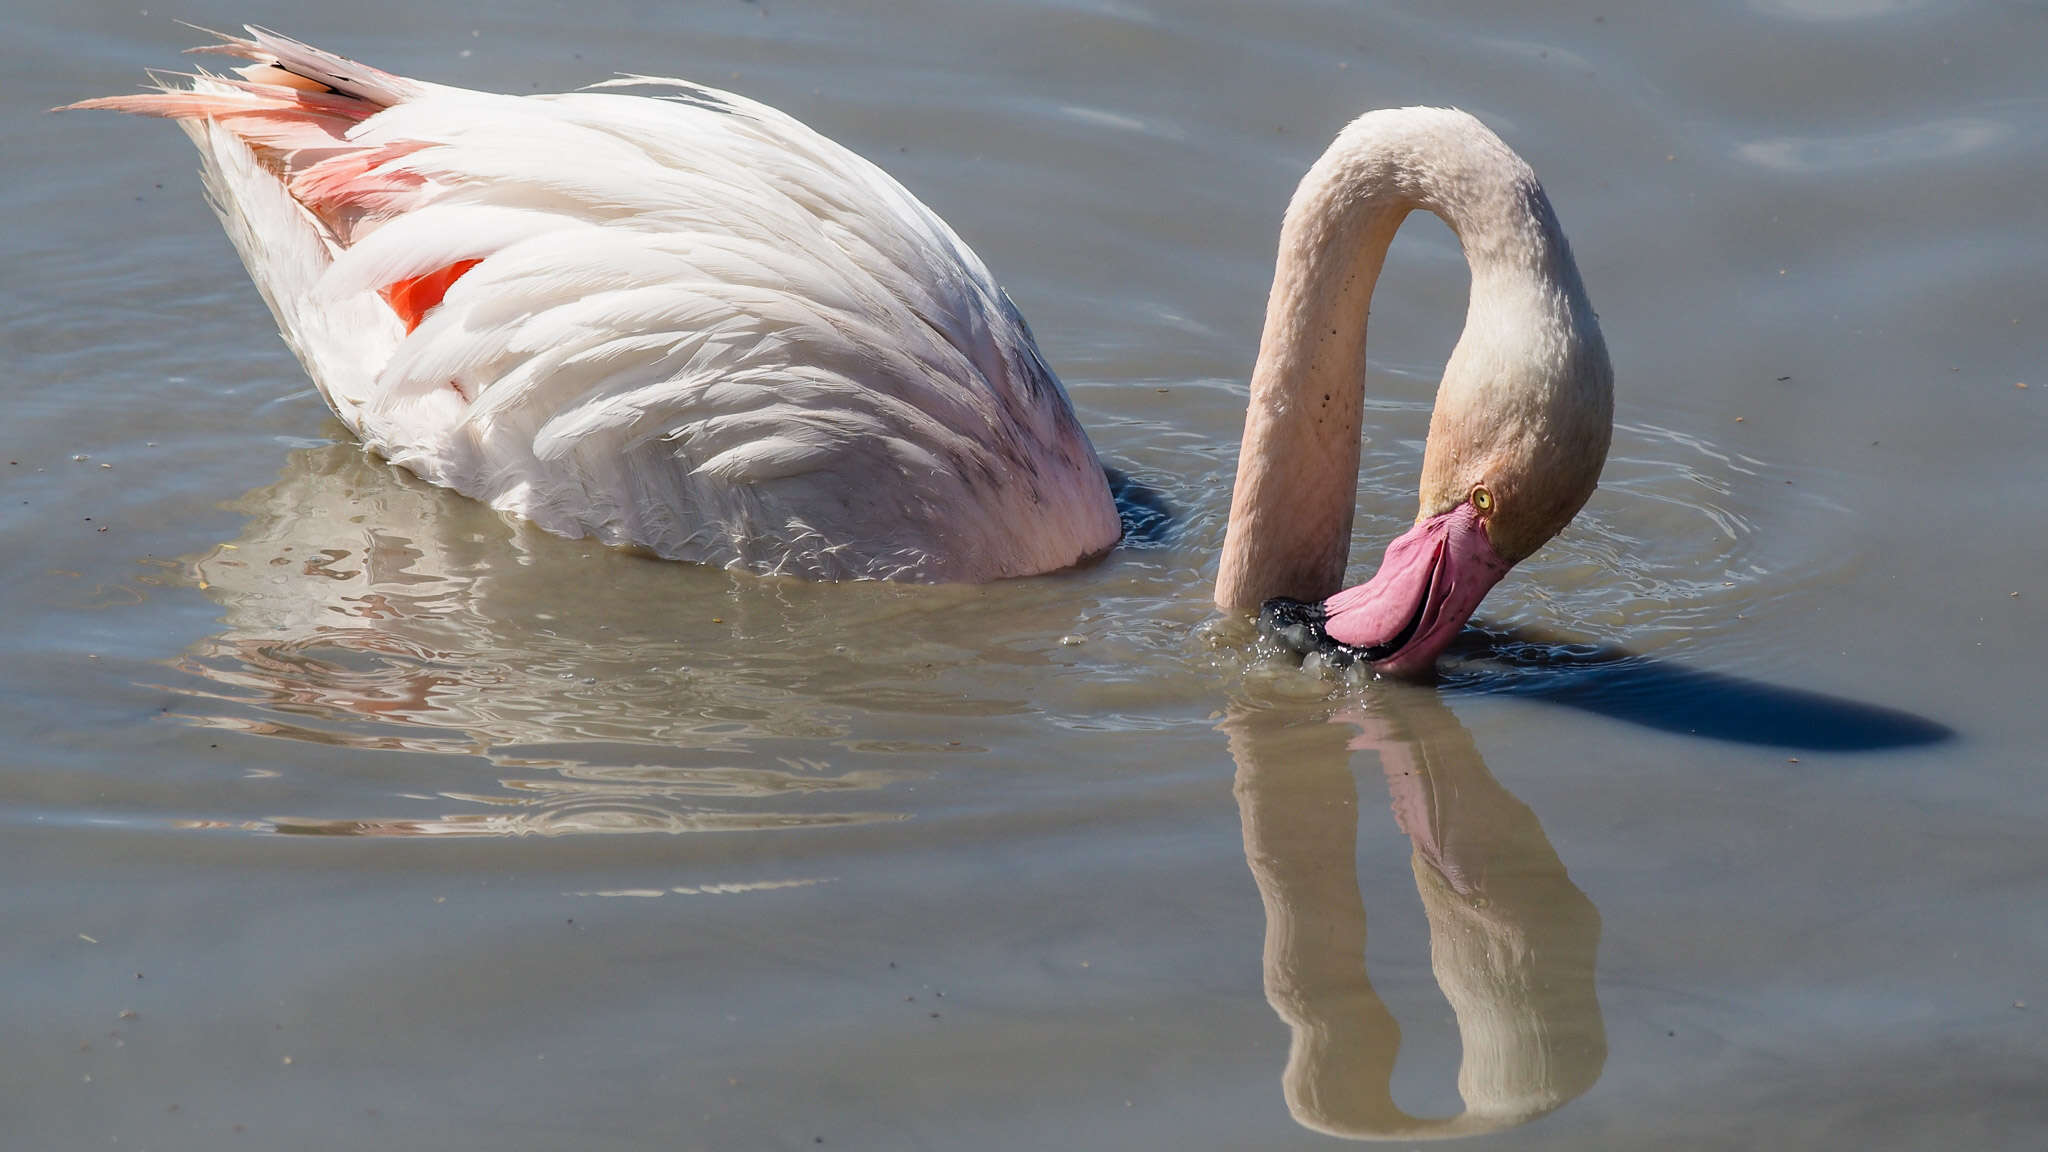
x=1482 y=499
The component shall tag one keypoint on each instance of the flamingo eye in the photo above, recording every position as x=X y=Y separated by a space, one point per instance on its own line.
x=1482 y=499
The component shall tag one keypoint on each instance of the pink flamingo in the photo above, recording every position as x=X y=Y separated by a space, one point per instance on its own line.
x=694 y=326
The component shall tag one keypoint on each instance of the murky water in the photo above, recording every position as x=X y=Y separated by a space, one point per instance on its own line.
x=340 y=812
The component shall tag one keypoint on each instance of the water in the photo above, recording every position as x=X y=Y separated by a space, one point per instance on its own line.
x=341 y=812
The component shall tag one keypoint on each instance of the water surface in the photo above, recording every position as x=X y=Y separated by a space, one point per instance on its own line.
x=341 y=812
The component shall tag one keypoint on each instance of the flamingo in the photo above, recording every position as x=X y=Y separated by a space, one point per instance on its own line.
x=691 y=325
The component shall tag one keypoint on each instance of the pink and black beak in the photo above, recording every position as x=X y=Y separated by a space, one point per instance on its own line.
x=1431 y=581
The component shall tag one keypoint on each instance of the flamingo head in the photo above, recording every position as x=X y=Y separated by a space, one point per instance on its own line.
x=1432 y=579
x=1516 y=444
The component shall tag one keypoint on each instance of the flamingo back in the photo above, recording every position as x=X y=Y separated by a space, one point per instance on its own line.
x=687 y=323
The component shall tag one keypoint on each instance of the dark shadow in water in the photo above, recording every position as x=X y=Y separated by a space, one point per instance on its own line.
x=1512 y=941
x=1148 y=519
x=1613 y=682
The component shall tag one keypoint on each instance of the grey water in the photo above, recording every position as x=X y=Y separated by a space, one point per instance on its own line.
x=337 y=812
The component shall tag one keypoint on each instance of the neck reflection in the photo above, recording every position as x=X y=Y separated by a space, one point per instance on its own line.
x=1512 y=940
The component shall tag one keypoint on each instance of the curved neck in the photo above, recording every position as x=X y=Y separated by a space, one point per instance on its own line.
x=1297 y=472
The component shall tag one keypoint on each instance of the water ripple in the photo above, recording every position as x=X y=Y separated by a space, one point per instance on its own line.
x=362 y=609
x=1831 y=11
x=1929 y=140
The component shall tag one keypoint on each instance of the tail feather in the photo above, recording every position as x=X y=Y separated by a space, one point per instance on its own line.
x=363 y=180
x=339 y=73
x=295 y=108
x=221 y=98
x=294 y=190
x=286 y=76
x=278 y=120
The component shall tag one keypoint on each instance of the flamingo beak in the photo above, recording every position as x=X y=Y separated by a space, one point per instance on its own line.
x=1431 y=581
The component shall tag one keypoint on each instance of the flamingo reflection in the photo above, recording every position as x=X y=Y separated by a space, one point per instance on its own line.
x=1512 y=940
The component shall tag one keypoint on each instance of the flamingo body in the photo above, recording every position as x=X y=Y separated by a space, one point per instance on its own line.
x=688 y=324
x=694 y=325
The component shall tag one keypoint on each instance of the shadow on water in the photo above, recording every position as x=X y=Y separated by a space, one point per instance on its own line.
x=1512 y=941
x=1610 y=681
x=1147 y=518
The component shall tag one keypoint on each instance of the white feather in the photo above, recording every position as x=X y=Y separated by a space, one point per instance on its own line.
x=697 y=327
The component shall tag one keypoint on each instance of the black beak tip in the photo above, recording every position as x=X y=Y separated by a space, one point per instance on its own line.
x=1282 y=612
x=1295 y=625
